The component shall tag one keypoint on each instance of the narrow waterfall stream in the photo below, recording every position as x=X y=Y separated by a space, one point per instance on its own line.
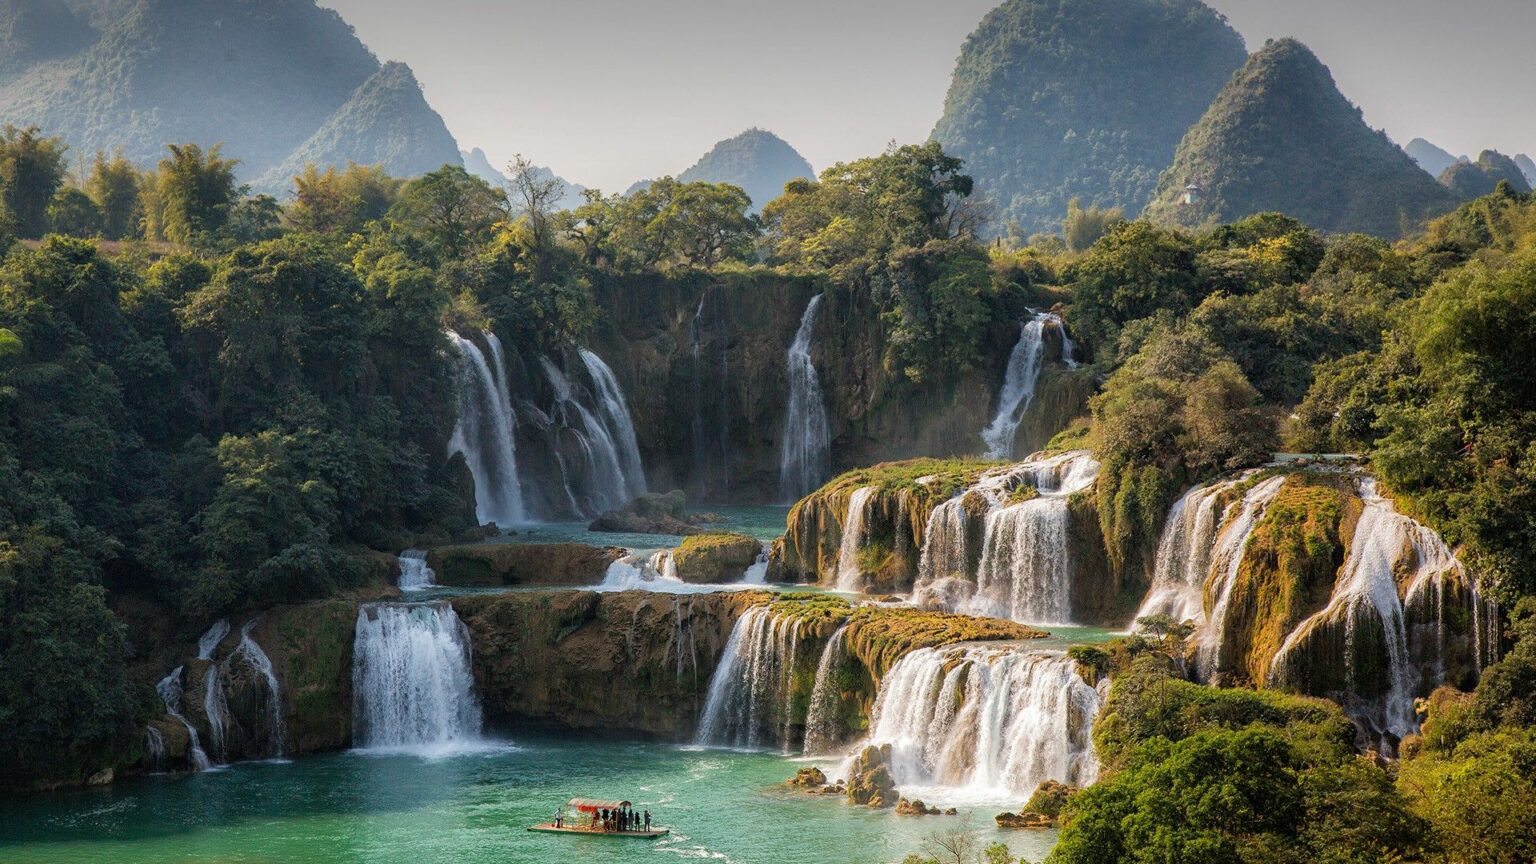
x=994 y=721
x=850 y=573
x=1017 y=563
x=170 y=691
x=1024 y=366
x=251 y=654
x=415 y=575
x=749 y=694
x=1226 y=560
x=412 y=688
x=484 y=432
x=614 y=411
x=821 y=726
x=805 y=447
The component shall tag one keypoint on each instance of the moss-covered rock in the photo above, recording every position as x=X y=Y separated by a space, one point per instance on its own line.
x=904 y=496
x=495 y=564
x=1288 y=571
x=635 y=663
x=653 y=513
x=715 y=558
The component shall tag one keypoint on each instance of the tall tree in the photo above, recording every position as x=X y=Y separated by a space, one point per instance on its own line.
x=32 y=169
x=114 y=186
x=197 y=191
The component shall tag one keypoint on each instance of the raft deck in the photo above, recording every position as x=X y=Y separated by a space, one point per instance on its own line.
x=549 y=828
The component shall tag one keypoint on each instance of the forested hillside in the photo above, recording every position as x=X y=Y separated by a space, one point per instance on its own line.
x=285 y=79
x=1282 y=137
x=1060 y=99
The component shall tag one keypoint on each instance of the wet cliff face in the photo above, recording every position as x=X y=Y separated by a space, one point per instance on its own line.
x=636 y=663
x=703 y=365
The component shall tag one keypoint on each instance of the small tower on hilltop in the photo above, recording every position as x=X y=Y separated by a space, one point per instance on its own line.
x=1192 y=194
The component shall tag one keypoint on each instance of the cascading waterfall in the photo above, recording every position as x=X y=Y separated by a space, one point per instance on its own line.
x=601 y=483
x=415 y=575
x=170 y=692
x=1386 y=546
x=1226 y=560
x=1021 y=567
x=250 y=653
x=1184 y=555
x=757 y=574
x=614 y=410
x=1018 y=391
x=484 y=432
x=805 y=457
x=411 y=680
x=750 y=691
x=215 y=703
x=821 y=727
x=990 y=720
x=850 y=575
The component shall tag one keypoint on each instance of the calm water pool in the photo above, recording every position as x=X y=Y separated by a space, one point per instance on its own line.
x=473 y=807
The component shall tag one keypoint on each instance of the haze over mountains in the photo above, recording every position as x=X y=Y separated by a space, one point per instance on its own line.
x=281 y=82
x=1118 y=103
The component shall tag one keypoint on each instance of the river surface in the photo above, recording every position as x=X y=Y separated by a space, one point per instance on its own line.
x=765 y=523
x=474 y=807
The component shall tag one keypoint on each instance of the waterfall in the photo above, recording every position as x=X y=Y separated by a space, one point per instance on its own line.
x=805 y=457
x=251 y=654
x=757 y=574
x=170 y=691
x=1184 y=555
x=615 y=414
x=415 y=575
x=1226 y=560
x=484 y=432
x=1018 y=393
x=1020 y=567
x=850 y=575
x=154 y=745
x=209 y=641
x=605 y=486
x=411 y=681
x=1388 y=549
x=991 y=720
x=822 y=730
x=751 y=691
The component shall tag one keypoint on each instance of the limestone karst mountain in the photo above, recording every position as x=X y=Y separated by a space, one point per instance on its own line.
x=1476 y=179
x=1431 y=158
x=277 y=82
x=757 y=160
x=386 y=122
x=1059 y=99
x=1281 y=137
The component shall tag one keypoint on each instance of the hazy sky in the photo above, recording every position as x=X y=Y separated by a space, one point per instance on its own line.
x=610 y=91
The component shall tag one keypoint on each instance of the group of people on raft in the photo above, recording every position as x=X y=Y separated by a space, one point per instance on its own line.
x=615 y=820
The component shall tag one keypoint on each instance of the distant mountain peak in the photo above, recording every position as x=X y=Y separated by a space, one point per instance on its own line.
x=1475 y=179
x=1281 y=137
x=386 y=122
x=1059 y=99
x=756 y=160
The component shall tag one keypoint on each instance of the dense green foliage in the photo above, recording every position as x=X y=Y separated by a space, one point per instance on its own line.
x=1207 y=775
x=1060 y=99
x=1282 y=137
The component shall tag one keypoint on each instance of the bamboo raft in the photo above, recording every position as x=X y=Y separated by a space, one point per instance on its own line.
x=549 y=828
x=584 y=816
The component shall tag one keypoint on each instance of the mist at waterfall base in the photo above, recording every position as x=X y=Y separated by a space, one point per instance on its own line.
x=471 y=808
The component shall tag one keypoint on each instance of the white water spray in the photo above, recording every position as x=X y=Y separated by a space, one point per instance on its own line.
x=415 y=575
x=411 y=681
x=805 y=458
x=749 y=694
x=850 y=575
x=485 y=430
